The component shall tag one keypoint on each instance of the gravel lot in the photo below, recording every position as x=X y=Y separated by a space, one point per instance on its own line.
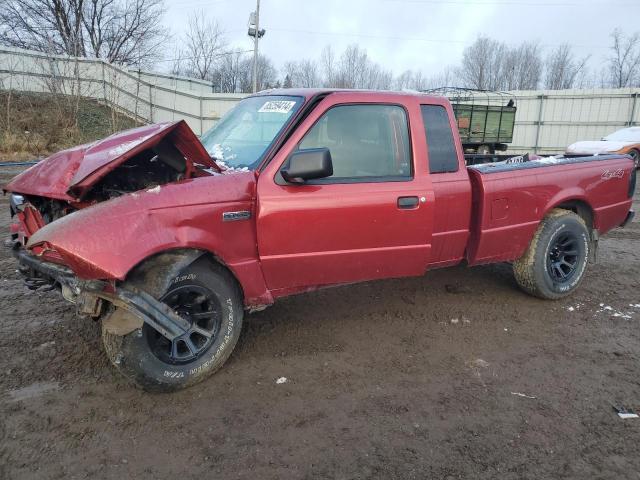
x=457 y=374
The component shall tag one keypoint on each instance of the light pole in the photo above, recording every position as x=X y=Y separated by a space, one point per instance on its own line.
x=256 y=33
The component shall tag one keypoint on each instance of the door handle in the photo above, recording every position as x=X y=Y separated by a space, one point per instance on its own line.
x=406 y=203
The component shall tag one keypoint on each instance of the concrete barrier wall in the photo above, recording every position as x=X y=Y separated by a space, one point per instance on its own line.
x=147 y=96
x=546 y=120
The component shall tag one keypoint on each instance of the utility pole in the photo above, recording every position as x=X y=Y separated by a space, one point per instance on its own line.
x=255 y=48
x=256 y=33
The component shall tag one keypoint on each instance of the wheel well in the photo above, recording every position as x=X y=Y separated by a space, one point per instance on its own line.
x=213 y=258
x=581 y=208
x=174 y=261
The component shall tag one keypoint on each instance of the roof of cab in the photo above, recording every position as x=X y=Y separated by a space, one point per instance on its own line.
x=308 y=93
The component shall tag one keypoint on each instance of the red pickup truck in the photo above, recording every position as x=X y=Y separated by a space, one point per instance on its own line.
x=168 y=239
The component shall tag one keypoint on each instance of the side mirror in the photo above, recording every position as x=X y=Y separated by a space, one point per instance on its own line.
x=308 y=165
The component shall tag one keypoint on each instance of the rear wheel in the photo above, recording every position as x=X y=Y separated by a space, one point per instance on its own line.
x=554 y=264
x=635 y=154
x=206 y=295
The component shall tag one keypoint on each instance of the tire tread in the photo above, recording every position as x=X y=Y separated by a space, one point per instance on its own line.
x=523 y=268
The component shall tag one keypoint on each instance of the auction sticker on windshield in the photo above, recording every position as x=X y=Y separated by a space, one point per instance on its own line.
x=277 y=106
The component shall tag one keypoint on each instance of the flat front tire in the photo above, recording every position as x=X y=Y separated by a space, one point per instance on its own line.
x=554 y=264
x=206 y=295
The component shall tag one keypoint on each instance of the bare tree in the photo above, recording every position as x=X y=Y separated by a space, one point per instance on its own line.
x=562 y=68
x=491 y=65
x=128 y=32
x=482 y=64
x=353 y=67
x=377 y=78
x=267 y=74
x=328 y=66
x=204 y=46
x=44 y=25
x=521 y=68
x=404 y=81
x=303 y=73
x=410 y=80
x=624 y=61
x=445 y=78
x=178 y=64
x=231 y=71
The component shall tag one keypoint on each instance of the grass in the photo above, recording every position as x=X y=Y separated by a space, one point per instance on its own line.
x=35 y=125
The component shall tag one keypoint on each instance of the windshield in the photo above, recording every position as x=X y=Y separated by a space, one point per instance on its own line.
x=625 y=135
x=241 y=138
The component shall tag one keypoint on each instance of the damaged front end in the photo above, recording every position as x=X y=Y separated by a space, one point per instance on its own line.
x=126 y=162
x=72 y=181
x=89 y=295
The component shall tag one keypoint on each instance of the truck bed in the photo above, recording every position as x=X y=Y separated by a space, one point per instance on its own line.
x=510 y=199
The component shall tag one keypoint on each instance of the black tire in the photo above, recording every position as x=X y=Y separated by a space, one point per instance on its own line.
x=207 y=295
x=554 y=264
x=635 y=154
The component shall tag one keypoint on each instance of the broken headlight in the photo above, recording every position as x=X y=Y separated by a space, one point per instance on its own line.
x=16 y=203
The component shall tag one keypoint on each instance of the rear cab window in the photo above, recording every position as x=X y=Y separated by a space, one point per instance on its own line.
x=368 y=143
x=441 y=146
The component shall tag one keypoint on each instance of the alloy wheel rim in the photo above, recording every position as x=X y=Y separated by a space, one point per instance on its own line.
x=201 y=308
x=562 y=261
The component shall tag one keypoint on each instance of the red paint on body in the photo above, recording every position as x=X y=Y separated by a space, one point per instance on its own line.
x=68 y=174
x=300 y=237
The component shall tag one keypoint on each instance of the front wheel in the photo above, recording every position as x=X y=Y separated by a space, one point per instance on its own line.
x=206 y=295
x=554 y=264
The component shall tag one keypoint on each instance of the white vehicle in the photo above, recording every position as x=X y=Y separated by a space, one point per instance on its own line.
x=626 y=141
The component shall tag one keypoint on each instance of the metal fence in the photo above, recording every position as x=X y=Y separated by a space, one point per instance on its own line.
x=546 y=120
x=146 y=96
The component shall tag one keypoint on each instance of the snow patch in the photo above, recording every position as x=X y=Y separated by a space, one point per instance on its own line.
x=222 y=155
x=551 y=160
x=478 y=362
x=573 y=308
x=518 y=394
x=614 y=313
x=126 y=146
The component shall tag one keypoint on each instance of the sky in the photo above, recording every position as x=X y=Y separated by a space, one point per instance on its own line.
x=425 y=35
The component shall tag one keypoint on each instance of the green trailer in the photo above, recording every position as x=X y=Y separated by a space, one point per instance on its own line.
x=485 y=119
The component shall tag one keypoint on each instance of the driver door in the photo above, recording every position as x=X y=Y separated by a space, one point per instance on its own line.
x=371 y=219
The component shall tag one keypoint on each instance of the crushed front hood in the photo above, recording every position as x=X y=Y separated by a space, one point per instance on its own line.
x=69 y=174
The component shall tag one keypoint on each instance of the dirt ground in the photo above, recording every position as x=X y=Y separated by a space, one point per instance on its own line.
x=454 y=375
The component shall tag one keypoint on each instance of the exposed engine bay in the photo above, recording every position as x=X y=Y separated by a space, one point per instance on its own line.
x=138 y=159
x=161 y=164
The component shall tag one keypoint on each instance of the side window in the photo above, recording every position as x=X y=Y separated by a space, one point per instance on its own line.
x=440 y=144
x=366 y=142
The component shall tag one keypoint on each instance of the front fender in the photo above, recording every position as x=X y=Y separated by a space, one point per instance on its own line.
x=108 y=240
